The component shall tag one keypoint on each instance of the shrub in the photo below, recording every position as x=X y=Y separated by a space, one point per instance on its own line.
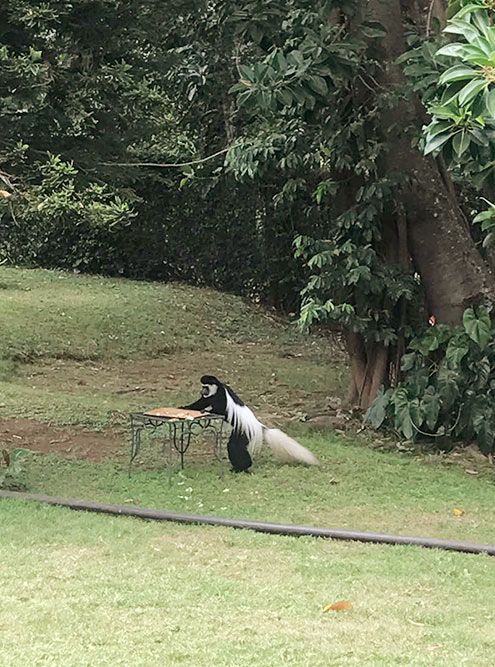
x=447 y=386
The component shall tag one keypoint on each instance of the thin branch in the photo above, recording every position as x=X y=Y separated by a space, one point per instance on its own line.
x=11 y=208
x=160 y=164
x=428 y=20
x=364 y=83
x=6 y=179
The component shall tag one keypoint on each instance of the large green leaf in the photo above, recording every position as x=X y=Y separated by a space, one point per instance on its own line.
x=430 y=407
x=417 y=381
x=467 y=9
x=490 y=103
x=456 y=50
x=375 y=414
x=407 y=361
x=429 y=342
x=448 y=387
x=436 y=142
x=318 y=84
x=478 y=326
x=472 y=89
x=463 y=28
x=461 y=142
x=482 y=369
x=438 y=126
x=456 y=351
x=457 y=73
x=406 y=413
x=483 y=420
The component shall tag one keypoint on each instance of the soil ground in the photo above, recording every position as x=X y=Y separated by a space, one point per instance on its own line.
x=63 y=440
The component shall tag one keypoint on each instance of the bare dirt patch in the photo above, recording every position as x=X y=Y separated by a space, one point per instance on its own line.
x=281 y=388
x=63 y=440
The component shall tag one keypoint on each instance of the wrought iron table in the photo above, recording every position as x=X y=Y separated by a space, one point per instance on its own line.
x=178 y=432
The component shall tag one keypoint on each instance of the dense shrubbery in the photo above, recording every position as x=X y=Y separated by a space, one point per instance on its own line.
x=66 y=222
x=110 y=153
x=448 y=385
x=86 y=89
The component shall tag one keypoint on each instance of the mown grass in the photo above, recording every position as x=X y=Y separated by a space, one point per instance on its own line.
x=60 y=315
x=355 y=487
x=81 y=589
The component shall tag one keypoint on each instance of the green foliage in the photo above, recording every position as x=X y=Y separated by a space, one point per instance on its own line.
x=77 y=89
x=86 y=89
x=309 y=133
x=487 y=220
x=447 y=386
x=461 y=99
x=349 y=283
x=64 y=221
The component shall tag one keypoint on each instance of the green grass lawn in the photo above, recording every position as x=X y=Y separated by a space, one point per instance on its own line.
x=81 y=589
x=57 y=314
x=355 y=487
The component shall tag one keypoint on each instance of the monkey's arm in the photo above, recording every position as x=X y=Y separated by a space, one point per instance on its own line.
x=201 y=404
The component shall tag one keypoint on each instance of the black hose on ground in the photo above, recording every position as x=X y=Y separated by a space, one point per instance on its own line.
x=260 y=526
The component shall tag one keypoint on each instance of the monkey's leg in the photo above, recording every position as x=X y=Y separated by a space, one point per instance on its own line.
x=238 y=452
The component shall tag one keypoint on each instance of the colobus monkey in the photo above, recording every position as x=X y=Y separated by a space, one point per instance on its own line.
x=248 y=434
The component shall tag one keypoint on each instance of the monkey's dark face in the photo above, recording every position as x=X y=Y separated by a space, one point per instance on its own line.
x=210 y=386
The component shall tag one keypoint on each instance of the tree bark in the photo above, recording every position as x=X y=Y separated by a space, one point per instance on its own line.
x=427 y=231
x=369 y=369
x=453 y=273
x=422 y=12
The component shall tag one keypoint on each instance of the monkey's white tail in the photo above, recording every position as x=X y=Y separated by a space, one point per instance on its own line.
x=286 y=449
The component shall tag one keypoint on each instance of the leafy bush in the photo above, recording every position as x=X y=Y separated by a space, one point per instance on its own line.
x=448 y=385
x=62 y=221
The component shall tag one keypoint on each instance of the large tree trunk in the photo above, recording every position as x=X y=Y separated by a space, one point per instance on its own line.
x=453 y=273
x=431 y=232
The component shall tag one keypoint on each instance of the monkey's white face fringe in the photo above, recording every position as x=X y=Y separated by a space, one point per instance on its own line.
x=288 y=450
x=241 y=418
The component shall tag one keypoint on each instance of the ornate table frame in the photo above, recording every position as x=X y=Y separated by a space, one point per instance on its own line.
x=179 y=432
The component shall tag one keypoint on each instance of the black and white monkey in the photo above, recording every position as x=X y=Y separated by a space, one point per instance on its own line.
x=248 y=434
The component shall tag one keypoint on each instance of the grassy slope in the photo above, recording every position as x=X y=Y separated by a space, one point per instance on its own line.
x=85 y=339
x=56 y=314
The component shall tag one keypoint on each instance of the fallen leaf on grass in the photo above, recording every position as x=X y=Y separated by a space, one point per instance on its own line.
x=338 y=606
x=424 y=588
x=458 y=511
x=434 y=647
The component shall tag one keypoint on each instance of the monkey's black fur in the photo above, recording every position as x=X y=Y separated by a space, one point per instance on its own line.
x=214 y=399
